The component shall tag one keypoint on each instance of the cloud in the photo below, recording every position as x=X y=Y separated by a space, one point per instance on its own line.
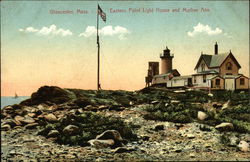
x=205 y=29
x=52 y=30
x=106 y=31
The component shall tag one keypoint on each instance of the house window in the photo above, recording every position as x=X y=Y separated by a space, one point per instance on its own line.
x=194 y=79
x=204 y=78
x=242 y=81
x=217 y=81
x=229 y=66
x=202 y=67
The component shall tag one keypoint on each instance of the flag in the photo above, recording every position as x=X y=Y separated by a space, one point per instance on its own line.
x=101 y=13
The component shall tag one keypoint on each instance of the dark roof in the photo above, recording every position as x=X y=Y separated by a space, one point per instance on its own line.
x=217 y=60
x=167 y=74
x=182 y=77
x=213 y=61
x=207 y=59
x=206 y=72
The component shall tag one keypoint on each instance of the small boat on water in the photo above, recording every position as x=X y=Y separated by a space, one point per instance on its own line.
x=16 y=96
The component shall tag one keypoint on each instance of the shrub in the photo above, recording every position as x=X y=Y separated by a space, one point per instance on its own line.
x=90 y=125
x=225 y=139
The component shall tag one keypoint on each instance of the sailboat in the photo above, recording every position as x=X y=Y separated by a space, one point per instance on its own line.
x=16 y=96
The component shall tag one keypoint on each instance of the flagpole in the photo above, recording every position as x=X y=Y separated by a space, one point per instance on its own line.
x=98 y=53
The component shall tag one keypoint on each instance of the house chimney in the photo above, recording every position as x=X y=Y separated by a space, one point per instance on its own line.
x=216 y=49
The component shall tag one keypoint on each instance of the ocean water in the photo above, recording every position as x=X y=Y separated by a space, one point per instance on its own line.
x=5 y=101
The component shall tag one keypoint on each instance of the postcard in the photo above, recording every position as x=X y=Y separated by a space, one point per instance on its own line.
x=125 y=80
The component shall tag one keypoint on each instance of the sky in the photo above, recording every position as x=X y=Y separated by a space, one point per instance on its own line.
x=54 y=42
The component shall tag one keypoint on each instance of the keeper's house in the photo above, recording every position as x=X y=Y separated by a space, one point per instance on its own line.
x=219 y=71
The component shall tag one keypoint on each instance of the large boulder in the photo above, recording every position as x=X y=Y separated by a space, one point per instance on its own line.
x=109 y=138
x=50 y=94
x=71 y=130
x=53 y=133
x=224 y=127
x=244 y=146
x=110 y=134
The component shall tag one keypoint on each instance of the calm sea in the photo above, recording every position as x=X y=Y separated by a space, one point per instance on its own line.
x=5 y=101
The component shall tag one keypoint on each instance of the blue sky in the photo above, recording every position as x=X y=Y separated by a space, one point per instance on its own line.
x=70 y=61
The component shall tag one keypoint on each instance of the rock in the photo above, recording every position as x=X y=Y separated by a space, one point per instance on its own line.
x=103 y=107
x=5 y=127
x=40 y=117
x=154 y=102
x=175 y=101
x=244 y=146
x=110 y=134
x=27 y=120
x=83 y=102
x=217 y=105
x=190 y=136
x=205 y=128
x=225 y=105
x=8 y=108
x=192 y=155
x=210 y=95
x=224 y=126
x=122 y=150
x=90 y=108
x=101 y=143
x=233 y=141
x=9 y=122
x=159 y=127
x=131 y=103
x=71 y=129
x=31 y=125
x=51 y=94
x=41 y=107
x=19 y=118
x=179 y=91
x=51 y=118
x=178 y=150
x=32 y=115
x=207 y=145
x=201 y=115
x=53 y=133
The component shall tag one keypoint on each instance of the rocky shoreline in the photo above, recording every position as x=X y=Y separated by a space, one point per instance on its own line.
x=152 y=124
